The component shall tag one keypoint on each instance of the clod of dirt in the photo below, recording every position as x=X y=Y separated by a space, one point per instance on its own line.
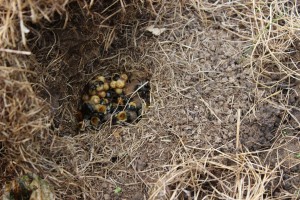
x=120 y=100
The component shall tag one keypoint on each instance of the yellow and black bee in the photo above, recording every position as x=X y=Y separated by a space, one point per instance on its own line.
x=132 y=106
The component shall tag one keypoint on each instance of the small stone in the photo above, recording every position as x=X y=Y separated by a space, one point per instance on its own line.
x=140 y=165
x=231 y=119
x=231 y=79
x=225 y=79
x=218 y=139
x=196 y=120
x=104 y=185
x=106 y=196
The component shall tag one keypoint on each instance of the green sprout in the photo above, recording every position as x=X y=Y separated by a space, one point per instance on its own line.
x=118 y=190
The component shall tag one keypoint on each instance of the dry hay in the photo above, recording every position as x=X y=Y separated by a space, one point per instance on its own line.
x=24 y=116
x=15 y=14
x=217 y=73
x=274 y=54
x=22 y=113
x=223 y=176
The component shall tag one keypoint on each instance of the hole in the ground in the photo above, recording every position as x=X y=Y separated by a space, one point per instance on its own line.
x=114 y=159
x=67 y=56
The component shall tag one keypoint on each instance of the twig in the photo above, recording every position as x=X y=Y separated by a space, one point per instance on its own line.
x=238 y=124
x=15 y=51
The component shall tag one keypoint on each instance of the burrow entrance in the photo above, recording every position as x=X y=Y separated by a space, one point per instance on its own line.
x=68 y=56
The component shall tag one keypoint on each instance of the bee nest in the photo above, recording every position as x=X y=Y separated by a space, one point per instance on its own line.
x=104 y=99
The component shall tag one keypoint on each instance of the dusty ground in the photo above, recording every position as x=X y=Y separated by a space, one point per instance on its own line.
x=199 y=80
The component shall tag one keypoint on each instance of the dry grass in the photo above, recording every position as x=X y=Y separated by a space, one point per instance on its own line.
x=272 y=32
x=224 y=176
x=91 y=164
x=23 y=114
x=15 y=14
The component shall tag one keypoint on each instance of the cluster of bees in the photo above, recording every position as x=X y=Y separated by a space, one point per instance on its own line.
x=117 y=100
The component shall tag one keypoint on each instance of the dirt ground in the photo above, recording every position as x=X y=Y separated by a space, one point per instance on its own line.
x=203 y=96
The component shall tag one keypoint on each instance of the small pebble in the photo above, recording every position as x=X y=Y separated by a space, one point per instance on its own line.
x=106 y=196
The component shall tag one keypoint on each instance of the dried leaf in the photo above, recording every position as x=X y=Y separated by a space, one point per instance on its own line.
x=155 y=31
